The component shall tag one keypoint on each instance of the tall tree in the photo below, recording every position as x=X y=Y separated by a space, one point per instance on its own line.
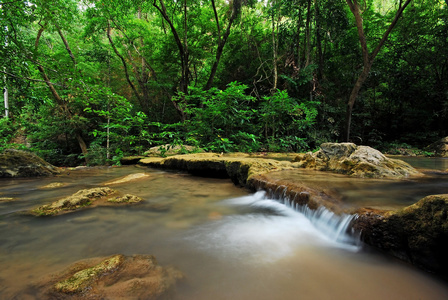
x=367 y=58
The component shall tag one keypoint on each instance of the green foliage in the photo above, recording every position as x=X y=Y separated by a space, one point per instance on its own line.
x=7 y=131
x=220 y=119
x=286 y=119
x=404 y=99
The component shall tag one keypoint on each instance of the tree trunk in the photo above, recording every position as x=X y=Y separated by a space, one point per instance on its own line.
x=183 y=52
x=353 y=95
x=320 y=56
x=308 y=34
x=274 y=49
x=221 y=41
x=62 y=104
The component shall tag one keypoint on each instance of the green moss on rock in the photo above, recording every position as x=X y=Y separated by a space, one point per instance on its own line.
x=128 y=198
x=417 y=233
x=76 y=201
x=114 y=277
x=83 y=279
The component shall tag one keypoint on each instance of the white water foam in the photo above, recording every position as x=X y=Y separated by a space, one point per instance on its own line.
x=272 y=230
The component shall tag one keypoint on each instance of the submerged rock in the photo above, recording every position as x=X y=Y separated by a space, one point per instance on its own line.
x=53 y=185
x=6 y=199
x=18 y=163
x=353 y=160
x=417 y=233
x=128 y=178
x=115 y=277
x=84 y=198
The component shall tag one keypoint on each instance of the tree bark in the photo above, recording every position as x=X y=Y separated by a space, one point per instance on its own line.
x=368 y=59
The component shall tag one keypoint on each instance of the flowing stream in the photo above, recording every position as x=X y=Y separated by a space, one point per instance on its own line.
x=229 y=243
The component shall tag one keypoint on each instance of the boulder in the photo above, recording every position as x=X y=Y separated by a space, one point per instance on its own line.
x=115 y=277
x=18 y=163
x=358 y=161
x=440 y=148
x=417 y=233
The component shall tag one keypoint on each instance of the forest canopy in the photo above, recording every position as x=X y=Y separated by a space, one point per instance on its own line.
x=94 y=80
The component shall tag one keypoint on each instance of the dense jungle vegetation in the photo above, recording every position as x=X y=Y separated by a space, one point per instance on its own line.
x=93 y=80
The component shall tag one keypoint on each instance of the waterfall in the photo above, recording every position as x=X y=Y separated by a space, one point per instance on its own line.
x=333 y=228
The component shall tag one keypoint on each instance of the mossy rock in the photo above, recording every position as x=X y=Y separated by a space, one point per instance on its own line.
x=417 y=233
x=128 y=198
x=114 y=277
x=83 y=279
x=102 y=196
x=18 y=163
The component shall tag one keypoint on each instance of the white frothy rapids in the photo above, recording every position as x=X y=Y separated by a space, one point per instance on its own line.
x=272 y=230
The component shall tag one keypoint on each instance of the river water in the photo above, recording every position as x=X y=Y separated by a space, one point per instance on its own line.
x=229 y=243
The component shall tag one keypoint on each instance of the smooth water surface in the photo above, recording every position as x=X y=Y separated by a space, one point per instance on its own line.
x=230 y=244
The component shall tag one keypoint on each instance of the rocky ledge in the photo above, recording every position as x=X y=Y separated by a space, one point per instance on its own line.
x=417 y=234
x=240 y=168
x=17 y=163
x=353 y=160
x=103 y=196
x=115 y=277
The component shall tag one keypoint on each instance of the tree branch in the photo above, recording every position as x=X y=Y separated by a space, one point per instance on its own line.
x=30 y=79
x=388 y=31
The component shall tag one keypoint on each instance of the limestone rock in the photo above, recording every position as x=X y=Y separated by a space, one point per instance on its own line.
x=80 y=199
x=239 y=169
x=85 y=198
x=417 y=233
x=358 y=161
x=169 y=150
x=440 y=148
x=18 y=163
x=115 y=277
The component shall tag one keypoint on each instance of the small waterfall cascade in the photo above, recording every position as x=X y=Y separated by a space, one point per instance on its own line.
x=333 y=226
